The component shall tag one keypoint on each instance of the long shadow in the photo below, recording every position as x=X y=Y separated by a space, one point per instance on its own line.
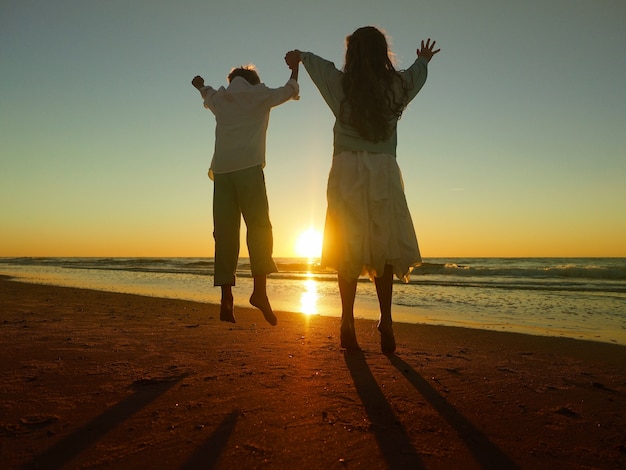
x=391 y=436
x=69 y=447
x=208 y=454
x=488 y=455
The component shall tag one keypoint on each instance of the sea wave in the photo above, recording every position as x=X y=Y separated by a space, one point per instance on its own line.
x=583 y=274
x=537 y=271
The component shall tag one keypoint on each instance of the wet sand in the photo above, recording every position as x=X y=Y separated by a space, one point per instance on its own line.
x=102 y=380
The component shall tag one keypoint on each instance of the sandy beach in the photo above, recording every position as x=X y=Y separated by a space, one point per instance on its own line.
x=102 y=380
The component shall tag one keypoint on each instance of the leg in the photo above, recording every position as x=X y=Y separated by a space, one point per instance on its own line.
x=226 y=222
x=347 y=290
x=259 y=299
x=226 y=306
x=252 y=196
x=384 y=289
x=255 y=210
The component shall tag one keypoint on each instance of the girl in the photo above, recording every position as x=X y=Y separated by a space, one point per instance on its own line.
x=368 y=227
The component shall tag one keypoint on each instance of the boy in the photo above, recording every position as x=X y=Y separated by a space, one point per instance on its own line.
x=242 y=115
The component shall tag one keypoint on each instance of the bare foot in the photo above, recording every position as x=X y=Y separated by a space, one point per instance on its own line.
x=348 y=339
x=227 y=310
x=262 y=303
x=387 y=340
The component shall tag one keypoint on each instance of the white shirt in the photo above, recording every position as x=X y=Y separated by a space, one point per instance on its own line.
x=242 y=113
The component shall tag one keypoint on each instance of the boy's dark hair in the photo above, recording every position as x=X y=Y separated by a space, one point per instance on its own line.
x=248 y=72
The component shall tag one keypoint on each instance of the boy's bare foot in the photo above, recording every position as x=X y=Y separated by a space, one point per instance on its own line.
x=262 y=303
x=227 y=310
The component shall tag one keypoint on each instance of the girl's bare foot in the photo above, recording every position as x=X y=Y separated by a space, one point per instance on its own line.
x=387 y=340
x=262 y=303
x=348 y=339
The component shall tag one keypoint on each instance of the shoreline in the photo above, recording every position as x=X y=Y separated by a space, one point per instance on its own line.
x=303 y=299
x=106 y=380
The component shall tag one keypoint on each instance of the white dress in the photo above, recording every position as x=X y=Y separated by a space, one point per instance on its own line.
x=368 y=223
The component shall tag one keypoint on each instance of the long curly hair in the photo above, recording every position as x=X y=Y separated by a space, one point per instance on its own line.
x=370 y=85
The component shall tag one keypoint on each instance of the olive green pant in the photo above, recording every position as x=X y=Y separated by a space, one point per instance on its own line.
x=235 y=194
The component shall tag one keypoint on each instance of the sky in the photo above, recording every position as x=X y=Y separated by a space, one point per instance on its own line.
x=515 y=147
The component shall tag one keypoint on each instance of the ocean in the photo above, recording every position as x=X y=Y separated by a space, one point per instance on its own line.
x=581 y=298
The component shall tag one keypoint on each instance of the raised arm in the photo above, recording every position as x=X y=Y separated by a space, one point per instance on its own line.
x=292 y=58
x=427 y=50
x=198 y=83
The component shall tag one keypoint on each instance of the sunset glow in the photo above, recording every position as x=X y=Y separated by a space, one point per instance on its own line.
x=495 y=162
x=309 y=244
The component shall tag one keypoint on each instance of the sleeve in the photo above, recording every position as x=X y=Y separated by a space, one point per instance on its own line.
x=289 y=90
x=208 y=93
x=326 y=77
x=415 y=77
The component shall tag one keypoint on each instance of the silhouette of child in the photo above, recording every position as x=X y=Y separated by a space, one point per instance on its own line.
x=368 y=227
x=242 y=112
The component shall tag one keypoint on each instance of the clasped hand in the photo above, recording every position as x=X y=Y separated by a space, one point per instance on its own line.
x=292 y=58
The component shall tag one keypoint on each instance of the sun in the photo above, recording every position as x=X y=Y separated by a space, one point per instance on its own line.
x=309 y=244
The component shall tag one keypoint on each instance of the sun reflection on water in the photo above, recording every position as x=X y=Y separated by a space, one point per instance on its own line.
x=309 y=298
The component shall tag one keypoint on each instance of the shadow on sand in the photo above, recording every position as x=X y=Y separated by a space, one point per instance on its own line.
x=393 y=441
x=486 y=453
x=208 y=454
x=71 y=446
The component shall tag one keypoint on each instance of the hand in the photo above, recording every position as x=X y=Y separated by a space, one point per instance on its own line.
x=292 y=58
x=426 y=50
x=198 y=82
